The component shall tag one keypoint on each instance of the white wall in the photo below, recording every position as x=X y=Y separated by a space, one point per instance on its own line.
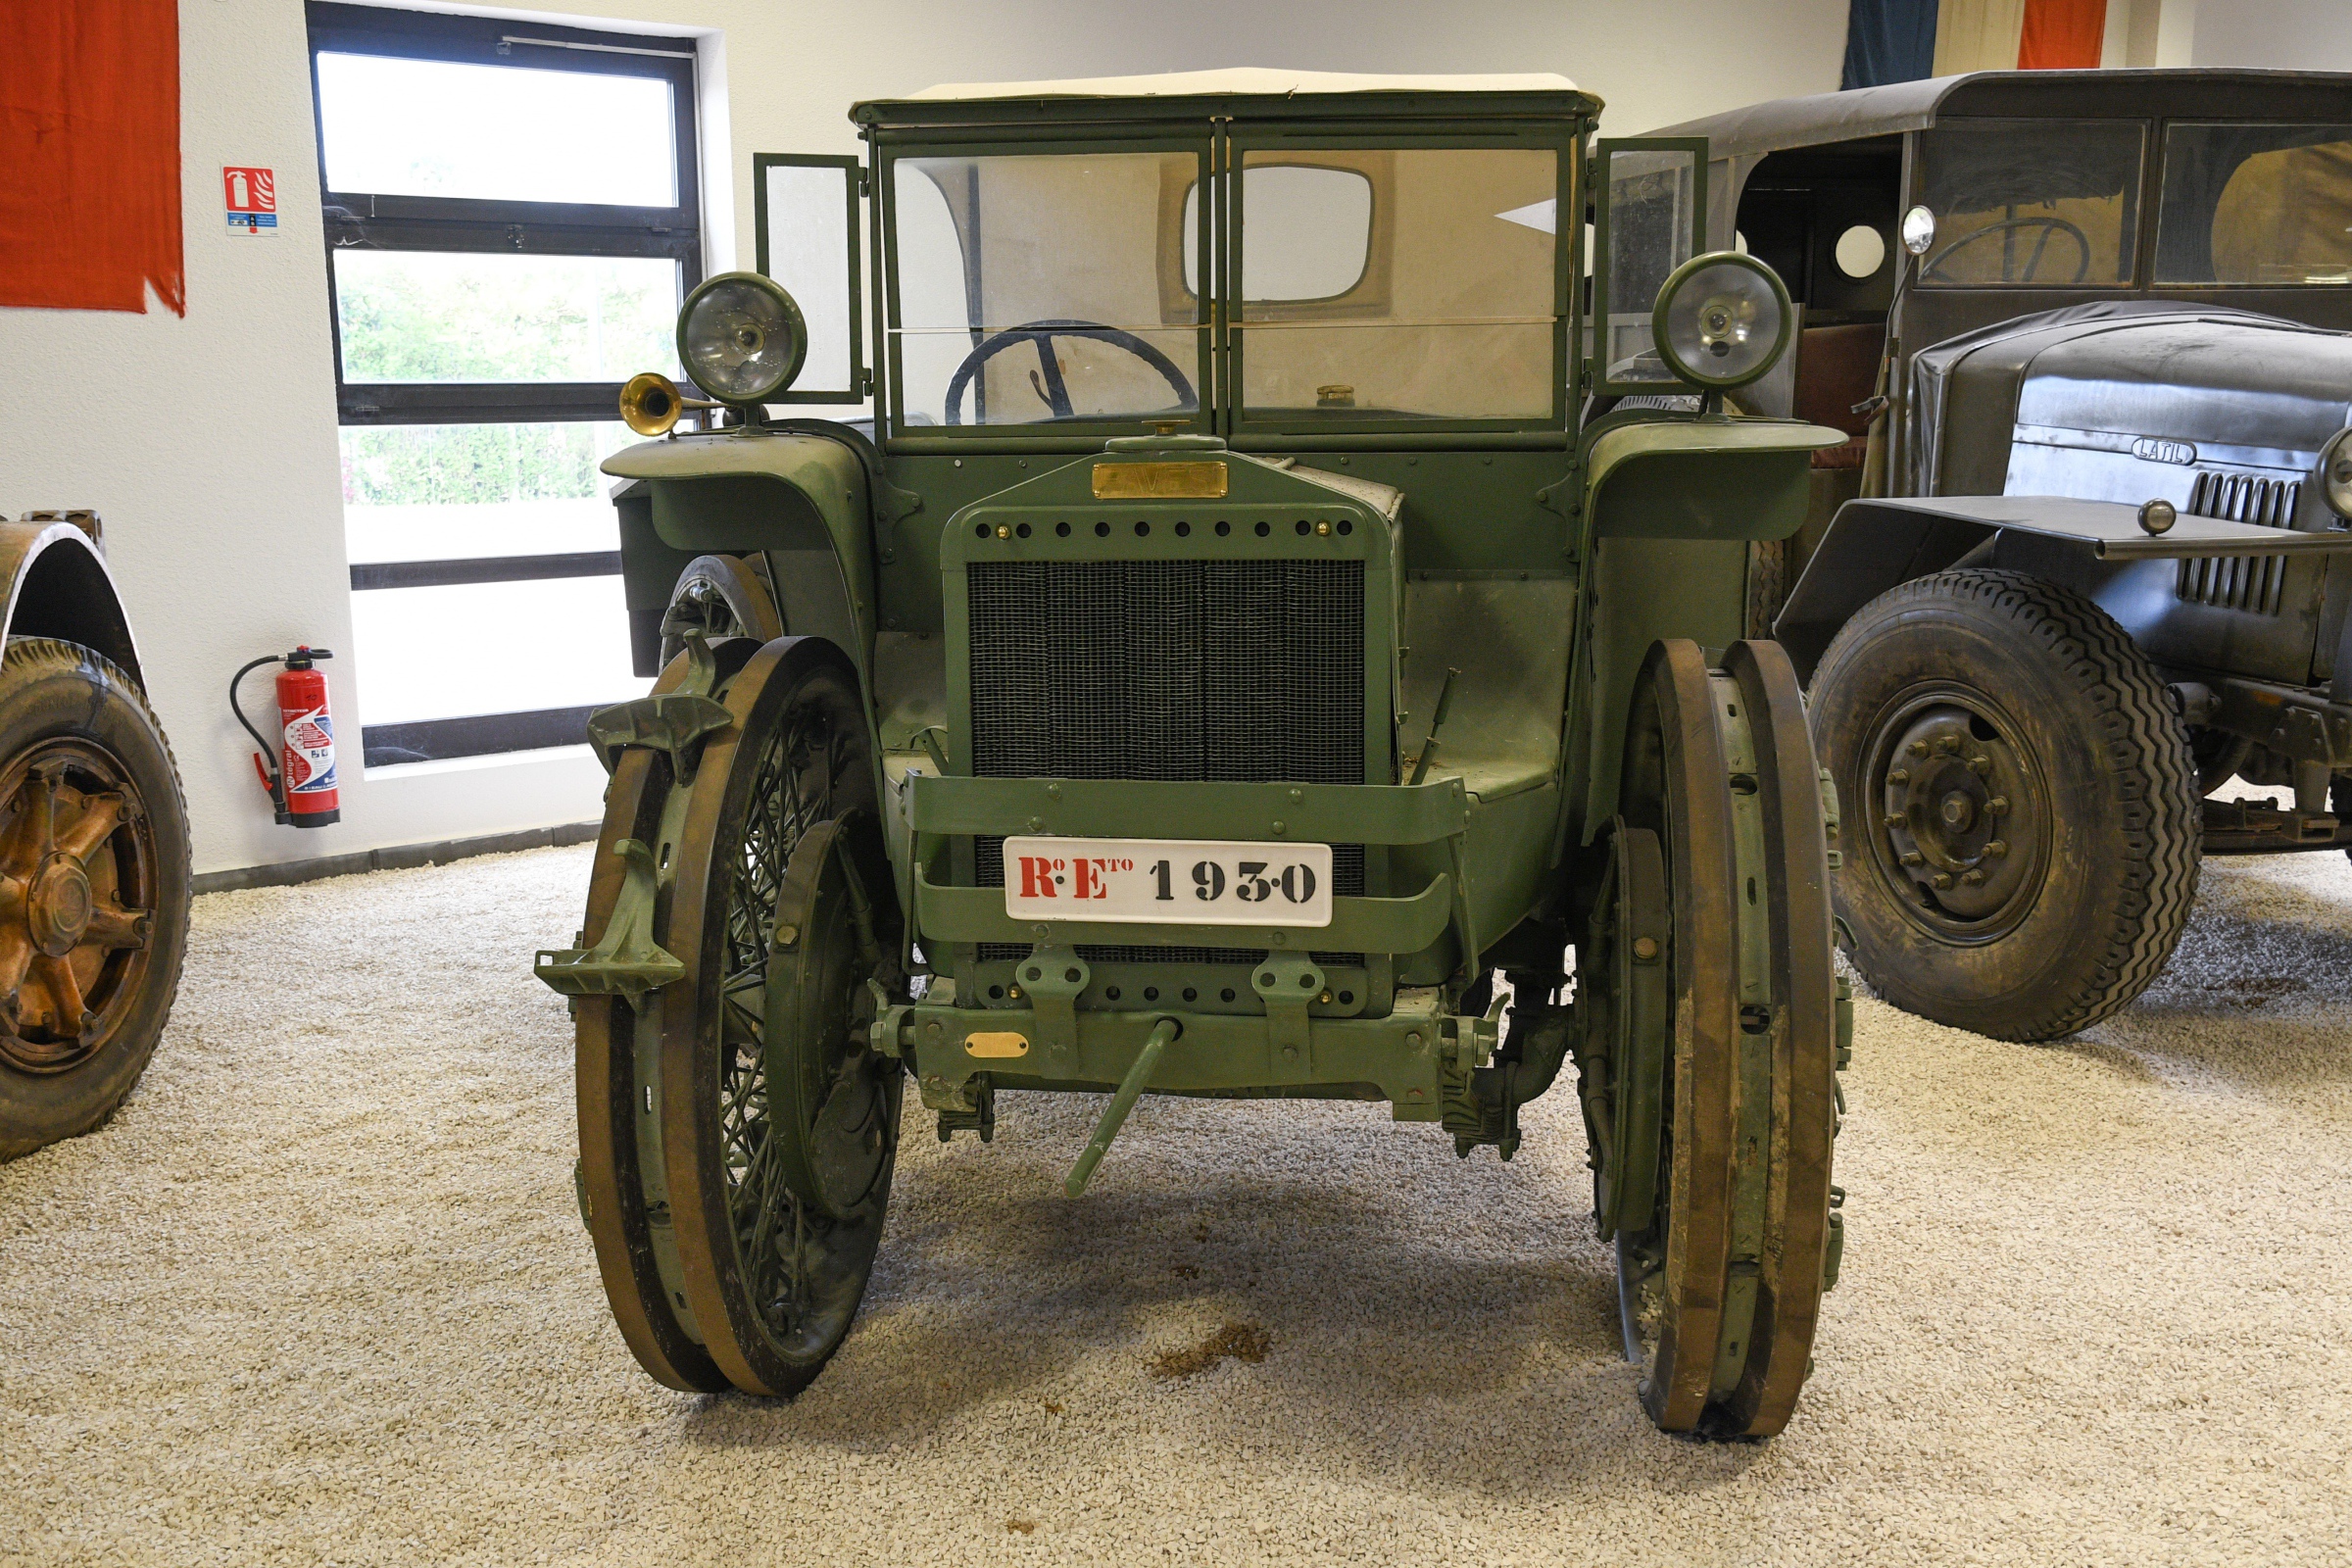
x=209 y=444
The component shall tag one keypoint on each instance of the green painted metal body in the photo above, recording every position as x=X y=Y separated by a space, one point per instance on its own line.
x=1538 y=558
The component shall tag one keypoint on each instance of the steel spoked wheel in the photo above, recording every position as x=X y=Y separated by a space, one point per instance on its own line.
x=1714 y=980
x=94 y=890
x=779 y=1121
x=720 y=597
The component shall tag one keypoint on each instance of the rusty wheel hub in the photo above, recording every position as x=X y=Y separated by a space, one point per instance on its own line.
x=1959 y=809
x=76 y=864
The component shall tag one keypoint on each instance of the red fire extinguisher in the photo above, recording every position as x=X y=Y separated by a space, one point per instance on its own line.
x=302 y=783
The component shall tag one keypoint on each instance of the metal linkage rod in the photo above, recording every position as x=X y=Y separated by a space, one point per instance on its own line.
x=1116 y=1115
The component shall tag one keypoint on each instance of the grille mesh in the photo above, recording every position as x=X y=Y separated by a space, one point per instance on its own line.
x=2239 y=582
x=1245 y=671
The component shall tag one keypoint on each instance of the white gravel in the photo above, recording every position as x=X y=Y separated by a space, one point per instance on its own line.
x=319 y=1294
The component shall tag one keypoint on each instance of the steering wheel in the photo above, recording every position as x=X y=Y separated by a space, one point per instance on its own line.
x=1054 y=391
x=2047 y=225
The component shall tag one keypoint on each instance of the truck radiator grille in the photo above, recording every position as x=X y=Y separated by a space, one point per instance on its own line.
x=1233 y=670
x=2251 y=583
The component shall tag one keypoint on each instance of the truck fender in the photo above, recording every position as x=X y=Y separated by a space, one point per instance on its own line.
x=59 y=586
x=1875 y=543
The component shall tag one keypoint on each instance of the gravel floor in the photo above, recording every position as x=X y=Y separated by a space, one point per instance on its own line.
x=319 y=1294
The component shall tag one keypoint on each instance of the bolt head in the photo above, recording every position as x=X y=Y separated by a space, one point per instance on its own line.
x=1996 y=806
x=1914 y=858
x=1948 y=744
x=1997 y=849
x=1003 y=532
x=1919 y=748
x=1901 y=776
x=1973 y=879
x=1895 y=819
x=1943 y=879
x=1645 y=948
x=1979 y=764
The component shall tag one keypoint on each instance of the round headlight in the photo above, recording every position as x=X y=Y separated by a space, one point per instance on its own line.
x=1722 y=320
x=2335 y=472
x=741 y=337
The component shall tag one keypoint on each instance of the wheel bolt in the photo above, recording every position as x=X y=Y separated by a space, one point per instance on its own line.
x=1914 y=858
x=1943 y=879
x=1979 y=764
x=1995 y=849
x=1972 y=878
x=1919 y=748
x=1997 y=805
x=1901 y=776
x=1947 y=743
x=1895 y=819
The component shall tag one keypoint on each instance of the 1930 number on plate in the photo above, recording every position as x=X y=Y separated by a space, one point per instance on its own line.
x=1167 y=881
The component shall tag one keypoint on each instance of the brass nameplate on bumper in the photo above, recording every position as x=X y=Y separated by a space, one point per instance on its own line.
x=1124 y=482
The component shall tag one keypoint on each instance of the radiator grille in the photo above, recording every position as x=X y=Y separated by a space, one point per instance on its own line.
x=2252 y=583
x=1245 y=671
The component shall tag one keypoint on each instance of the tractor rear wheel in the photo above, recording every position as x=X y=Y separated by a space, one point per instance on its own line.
x=2026 y=802
x=1709 y=1054
x=94 y=890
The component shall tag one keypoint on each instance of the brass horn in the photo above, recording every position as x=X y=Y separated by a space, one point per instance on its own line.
x=650 y=402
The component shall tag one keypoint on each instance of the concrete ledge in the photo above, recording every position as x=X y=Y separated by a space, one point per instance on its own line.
x=395 y=858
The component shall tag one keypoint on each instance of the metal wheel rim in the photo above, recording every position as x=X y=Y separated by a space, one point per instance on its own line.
x=2022 y=781
x=77 y=903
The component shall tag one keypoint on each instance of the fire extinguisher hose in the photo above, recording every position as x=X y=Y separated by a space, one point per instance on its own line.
x=273 y=776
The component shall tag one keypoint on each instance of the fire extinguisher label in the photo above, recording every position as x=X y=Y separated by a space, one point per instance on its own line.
x=310 y=753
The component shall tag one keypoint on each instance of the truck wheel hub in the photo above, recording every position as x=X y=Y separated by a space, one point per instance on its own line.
x=1956 y=802
x=59 y=909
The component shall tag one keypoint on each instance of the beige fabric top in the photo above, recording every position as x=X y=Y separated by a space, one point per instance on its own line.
x=1242 y=80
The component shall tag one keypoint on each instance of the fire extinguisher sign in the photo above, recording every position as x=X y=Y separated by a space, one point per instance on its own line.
x=310 y=753
x=251 y=195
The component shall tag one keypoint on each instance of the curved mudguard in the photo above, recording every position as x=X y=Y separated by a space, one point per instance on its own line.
x=58 y=586
x=1874 y=545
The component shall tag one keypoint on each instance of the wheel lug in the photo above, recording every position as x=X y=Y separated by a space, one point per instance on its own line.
x=1914 y=858
x=1901 y=776
x=1996 y=806
x=1995 y=849
x=1919 y=748
x=1948 y=744
x=1943 y=879
x=1979 y=764
x=1972 y=877
x=1895 y=819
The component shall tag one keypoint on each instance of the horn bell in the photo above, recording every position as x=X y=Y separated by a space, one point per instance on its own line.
x=651 y=404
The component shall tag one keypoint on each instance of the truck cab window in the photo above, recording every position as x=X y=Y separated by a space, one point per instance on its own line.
x=2255 y=204
x=2031 y=202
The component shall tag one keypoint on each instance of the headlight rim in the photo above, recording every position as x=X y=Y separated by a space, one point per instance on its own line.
x=792 y=315
x=1680 y=276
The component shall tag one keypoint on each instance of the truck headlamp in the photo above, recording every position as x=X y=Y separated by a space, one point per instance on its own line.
x=2335 y=472
x=1722 y=320
x=741 y=337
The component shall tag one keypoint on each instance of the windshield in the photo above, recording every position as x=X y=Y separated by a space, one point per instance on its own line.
x=1043 y=287
x=2255 y=204
x=2030 y=203
x=1396 y=282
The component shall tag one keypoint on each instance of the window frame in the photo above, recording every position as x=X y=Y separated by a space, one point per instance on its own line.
x=444 y=224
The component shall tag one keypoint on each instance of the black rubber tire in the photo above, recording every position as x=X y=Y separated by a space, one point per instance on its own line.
x=2339 y=801
x=52 y=690
x=2119 y=822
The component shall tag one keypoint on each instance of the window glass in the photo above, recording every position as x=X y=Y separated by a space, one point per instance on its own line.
x=2031 y=202
x=426 y=315
x=1308 y=232
x=450 y=652
x=450 y=492
x=2255 y=204
x=1652 y=196
x=439 y=128
x=1043 y=287
x=808 y=246
x=1450 y=311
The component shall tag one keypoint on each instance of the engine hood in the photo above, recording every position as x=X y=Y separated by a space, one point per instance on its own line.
x=2163 y=388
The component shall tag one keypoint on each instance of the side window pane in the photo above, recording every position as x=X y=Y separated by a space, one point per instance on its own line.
x=438 y=127
x=1651 y=195
x=1048 y=287
x=2255 y=204
x=808 y=246
x=424 y=316
x=1433 y=276
x=2031 y=202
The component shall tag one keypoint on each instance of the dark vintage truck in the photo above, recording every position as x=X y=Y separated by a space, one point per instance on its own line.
x=2084 y=558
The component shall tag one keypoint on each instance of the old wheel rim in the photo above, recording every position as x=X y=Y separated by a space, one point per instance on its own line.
x=1958 y=813
x=77 y=890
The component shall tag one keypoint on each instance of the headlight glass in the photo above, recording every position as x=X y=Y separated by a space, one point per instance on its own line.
x=741 y=337
x=1722 y=320
x=2335 y=472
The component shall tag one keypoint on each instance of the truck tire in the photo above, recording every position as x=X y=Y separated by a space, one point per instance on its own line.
x=2025 y=810
x=94 y=860
x=2339 y=801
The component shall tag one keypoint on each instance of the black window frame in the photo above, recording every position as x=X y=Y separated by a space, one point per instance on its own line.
x=445 y=224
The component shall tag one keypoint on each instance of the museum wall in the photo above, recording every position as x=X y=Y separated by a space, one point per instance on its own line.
x=208 y=443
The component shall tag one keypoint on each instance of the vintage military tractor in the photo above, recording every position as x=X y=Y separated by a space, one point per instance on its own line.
x=1227 y=648
x=93 y=842
x=2092 y=559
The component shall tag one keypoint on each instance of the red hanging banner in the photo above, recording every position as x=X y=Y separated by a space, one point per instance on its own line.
x=89 y=155
x=2062 y=35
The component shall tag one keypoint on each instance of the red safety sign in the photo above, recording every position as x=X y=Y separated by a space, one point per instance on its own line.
x=251 y=195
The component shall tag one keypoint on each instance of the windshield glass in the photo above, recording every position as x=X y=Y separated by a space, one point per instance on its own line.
x=2255 y=204
x=1043 y=287
x=1396 y=282
x=2030 y=203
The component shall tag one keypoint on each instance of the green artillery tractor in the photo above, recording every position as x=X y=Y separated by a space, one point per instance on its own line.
x=1276 y=593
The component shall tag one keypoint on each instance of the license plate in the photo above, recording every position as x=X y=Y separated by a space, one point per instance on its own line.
x=1167 y=881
